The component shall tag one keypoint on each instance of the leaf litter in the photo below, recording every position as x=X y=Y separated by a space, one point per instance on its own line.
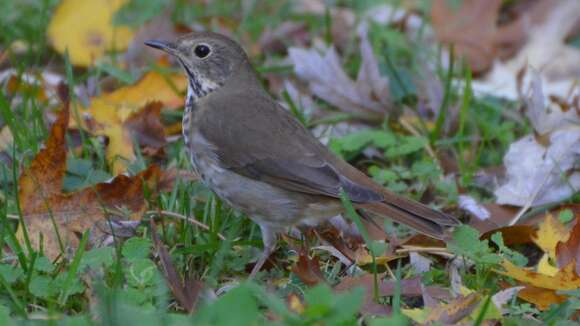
x=132 y=115
x=54 y=220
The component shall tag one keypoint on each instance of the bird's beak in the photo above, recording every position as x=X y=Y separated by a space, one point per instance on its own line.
x=163 y=46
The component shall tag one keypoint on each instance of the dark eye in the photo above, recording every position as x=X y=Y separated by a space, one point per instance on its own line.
x=201 y=51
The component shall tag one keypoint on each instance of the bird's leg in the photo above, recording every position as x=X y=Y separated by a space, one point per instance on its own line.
x=269 y=240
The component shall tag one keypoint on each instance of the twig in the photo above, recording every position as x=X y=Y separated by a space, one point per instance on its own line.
x=433 y=250
x=185 y=218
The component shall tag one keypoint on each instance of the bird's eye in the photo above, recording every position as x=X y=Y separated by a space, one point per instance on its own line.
x=201 y=51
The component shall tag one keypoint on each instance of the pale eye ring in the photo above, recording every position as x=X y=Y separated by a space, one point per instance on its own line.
x=202 y=50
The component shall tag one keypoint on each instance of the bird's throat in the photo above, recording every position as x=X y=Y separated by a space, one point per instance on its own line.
x=198 y=86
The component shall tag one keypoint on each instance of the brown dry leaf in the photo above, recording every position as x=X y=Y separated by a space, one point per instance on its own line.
x=42 y=201
x=109 y=113
x=86 y=31
x=421 y=240
x=308 y=270
x=471 y=29
x=565 y=279
x=475 y=33
x=145 y=126
x=569 y=251
x=409 y=288
x=514 y=234
x=455 y=310
x=551 y=232
x=541 y=298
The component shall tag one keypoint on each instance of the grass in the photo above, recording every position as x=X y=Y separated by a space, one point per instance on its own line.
x=123 y=283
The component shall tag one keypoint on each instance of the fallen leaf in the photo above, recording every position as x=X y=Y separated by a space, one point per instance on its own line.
x=551 y=232
x=308 y=270
x=565 y=279
x=474 y=31
x=471 y=29
x=364 y=258
x=534 y=172
x=409 y=287
x=421 y=240
x=85 y=30
x=545 y=29
x=454 y=311
x=542 y=170
x=367 y=97
x=545 y=267
x=45 y=207
x=504 y=296
x=546 y=48
x=514 y=234
x=500 y=215
x=546 y=113
x=145 y=126
x=108 y=114
x=568 y=251
x=540 y=297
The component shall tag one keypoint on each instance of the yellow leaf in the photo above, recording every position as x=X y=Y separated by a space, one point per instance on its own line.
x=465 y=291
x=120 y=148
x=363 y=257
x=152 y=87
x=542 y=298
x=417 y=315
x=544 y=266
x=551 y=232
x=295 y=304
x=85 y=29
x=565 y=279
x=109 y=112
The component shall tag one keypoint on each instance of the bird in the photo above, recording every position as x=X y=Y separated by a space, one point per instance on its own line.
x=260 y=160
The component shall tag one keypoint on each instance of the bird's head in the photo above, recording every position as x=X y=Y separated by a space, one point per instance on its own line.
x=209 y=59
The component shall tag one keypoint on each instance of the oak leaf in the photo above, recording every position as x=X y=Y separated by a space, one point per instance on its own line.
x=59 y=218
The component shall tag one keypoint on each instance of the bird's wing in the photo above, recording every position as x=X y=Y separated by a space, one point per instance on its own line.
x=255 y=137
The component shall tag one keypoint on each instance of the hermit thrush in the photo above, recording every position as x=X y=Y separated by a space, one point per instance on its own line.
x=260 y=160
